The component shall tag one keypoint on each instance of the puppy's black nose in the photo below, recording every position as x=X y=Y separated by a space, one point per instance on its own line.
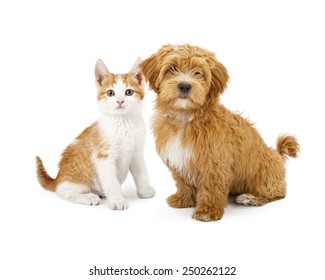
x=184 y=88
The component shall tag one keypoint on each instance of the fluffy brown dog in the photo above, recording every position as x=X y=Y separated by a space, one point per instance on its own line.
x=210 y=151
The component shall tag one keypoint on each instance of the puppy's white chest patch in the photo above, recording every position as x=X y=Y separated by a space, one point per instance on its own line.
x=175 y=154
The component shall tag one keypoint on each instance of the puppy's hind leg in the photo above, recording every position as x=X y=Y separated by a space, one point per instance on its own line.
x=255 y=200
x=268 y=184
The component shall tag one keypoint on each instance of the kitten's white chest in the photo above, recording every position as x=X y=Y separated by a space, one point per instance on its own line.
x=175 y=154
x=124 y=136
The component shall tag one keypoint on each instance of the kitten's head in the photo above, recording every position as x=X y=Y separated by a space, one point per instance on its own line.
x=119 y=93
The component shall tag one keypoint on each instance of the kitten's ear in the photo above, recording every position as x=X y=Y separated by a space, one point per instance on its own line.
x=101 y=72
x=136 y=71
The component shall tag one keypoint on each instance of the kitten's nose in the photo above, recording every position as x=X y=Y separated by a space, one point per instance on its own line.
x=120 y=102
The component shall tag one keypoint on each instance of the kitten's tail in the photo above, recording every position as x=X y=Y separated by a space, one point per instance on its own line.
x=44 y=179
x=287 y=145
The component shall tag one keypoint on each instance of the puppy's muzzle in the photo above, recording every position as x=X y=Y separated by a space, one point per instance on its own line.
x=184 y=89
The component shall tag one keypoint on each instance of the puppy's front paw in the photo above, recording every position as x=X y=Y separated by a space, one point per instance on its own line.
x=180 y=201
x=118 y=204
x=207 y=213
x=146 y=193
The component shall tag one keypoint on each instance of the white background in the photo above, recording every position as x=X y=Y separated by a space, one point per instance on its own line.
x=274 y=52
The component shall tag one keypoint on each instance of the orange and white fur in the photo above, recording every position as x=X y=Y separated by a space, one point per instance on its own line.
x=210 y=151
x=97 y=162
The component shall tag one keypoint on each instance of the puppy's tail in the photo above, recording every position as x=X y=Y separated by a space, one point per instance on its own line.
x=287 y=145
x=44 y=179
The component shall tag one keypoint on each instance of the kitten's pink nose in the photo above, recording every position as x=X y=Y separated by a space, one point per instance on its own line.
x=120 y=102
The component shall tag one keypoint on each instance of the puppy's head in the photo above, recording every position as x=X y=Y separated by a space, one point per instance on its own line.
x=185 y=77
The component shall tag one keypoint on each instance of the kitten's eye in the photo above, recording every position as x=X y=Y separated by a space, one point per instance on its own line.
x=173 y=69
x=129 y=92
x=110 y=93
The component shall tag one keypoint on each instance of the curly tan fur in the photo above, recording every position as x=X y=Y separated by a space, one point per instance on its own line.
x=210 y=151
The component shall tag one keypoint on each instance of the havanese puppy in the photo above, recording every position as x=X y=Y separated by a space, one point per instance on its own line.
x=211 y=152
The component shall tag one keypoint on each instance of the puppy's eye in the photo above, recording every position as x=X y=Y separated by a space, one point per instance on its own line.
x=198 y=74
x=110 y=93
x=129 y=92
x=173 y=69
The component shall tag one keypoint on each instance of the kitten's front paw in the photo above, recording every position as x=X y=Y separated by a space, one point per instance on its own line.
x=147 y=193
x=118 y=204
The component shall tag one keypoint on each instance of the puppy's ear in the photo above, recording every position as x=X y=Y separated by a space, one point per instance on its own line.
x=150 y=71
x=220 y=75
x=101 y=72
x=152 y=65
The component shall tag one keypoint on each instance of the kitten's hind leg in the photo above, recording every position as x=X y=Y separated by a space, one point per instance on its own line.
x=77 y=193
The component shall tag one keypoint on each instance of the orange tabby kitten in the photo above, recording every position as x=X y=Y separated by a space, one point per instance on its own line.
x=97 y=162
